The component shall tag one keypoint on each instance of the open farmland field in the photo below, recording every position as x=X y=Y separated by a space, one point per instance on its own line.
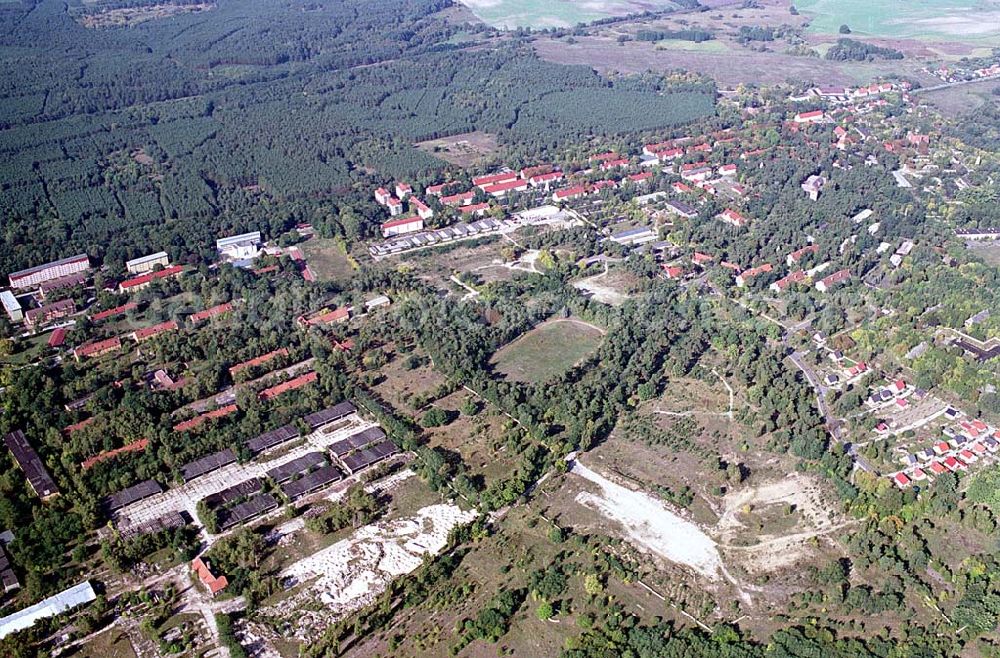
x=512 y=14
x=548 y=350
x=965 y=21
x=465 y=150
x=327 y=260
x=730 y=67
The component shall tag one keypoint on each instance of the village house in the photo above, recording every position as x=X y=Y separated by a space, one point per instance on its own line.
x=796 y=256
x=203 y=570
x=732 y=217
x=784 y=283
x=382 y=196
x=746 y=275
x=815 y=116
x=826 y=283
x=403 y=190
x=813 y=185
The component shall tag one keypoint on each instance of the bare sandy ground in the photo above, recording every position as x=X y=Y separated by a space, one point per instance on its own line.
x=350 y=574
x=651 y=525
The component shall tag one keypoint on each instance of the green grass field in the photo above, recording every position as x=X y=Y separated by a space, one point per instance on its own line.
x=548 y=350
x=711 y=46
x=966 y=21
x=556 y=13
x=327 y=260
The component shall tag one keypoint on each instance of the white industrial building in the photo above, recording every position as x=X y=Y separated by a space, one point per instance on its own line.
x=50 y=607
x=240 y=247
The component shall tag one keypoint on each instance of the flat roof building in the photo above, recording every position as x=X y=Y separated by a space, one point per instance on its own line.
x=11 y=306
x=39 y=274
x=240 y=247
x=145 y=264
x=50 y=607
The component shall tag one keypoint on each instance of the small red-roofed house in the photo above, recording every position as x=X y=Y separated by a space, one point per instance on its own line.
x=900 y=480
x=215 y=584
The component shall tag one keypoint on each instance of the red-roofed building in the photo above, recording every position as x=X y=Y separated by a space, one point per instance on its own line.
x=732 y=217
x=140 y=282
x=382 y=196
x=460 y=199
x=500 y=190
x=603 y=185
x=118 y=310
x=290 y=385
x=672 y=271
x=701 y=259
x=423 y=210
x=918 y=474
x=566 y=193
x=604 y=157
x=614 y=164
x=856 y=370
x=799 y=254
x=208 y=313
x=815 y=116
x=341 y=314
x=215 y=584
x=135 y=446
x=681 y=188
x=197 y=421
x=781 y=285
x=95 y=349
x=403 y=190
x=727 y=170
x=402 y=226
x=638 y=179
x=828 y=282
x=146 y=333
x=953 y=464
x=545 y=180
x=900 y=480
x=476 y=209
x=493 y=179
x=57 y=338
x=75 y=427
x=538 y=170
x=731 y=266
x=395 y=206
x=257 y=361
x=746 y=275
x=437 y=190
x=937 y=468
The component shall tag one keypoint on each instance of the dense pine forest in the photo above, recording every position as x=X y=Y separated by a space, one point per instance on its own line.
x=174 y=130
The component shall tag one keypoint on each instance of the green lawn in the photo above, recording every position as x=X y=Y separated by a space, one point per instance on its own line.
x=548 y=350
x=968 y=21
x=327 y=260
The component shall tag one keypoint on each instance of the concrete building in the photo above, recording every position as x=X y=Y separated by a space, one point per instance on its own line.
x=145 y=264
x=11 y=306
x=50 y=607
x=240 y=247
x=34 y=276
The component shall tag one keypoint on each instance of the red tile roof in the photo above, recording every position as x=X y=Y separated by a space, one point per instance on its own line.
x=151 y=276
x=198 y=420
x=58 y=337
x=290 y=385
x=402 y=221
x=211 y=312
x=98 y=347
x=135 y=446
x=490 y=179
x=69 y=429
x=214 y=583
x=103 y=315
x=256 y=361
x=149 y=332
